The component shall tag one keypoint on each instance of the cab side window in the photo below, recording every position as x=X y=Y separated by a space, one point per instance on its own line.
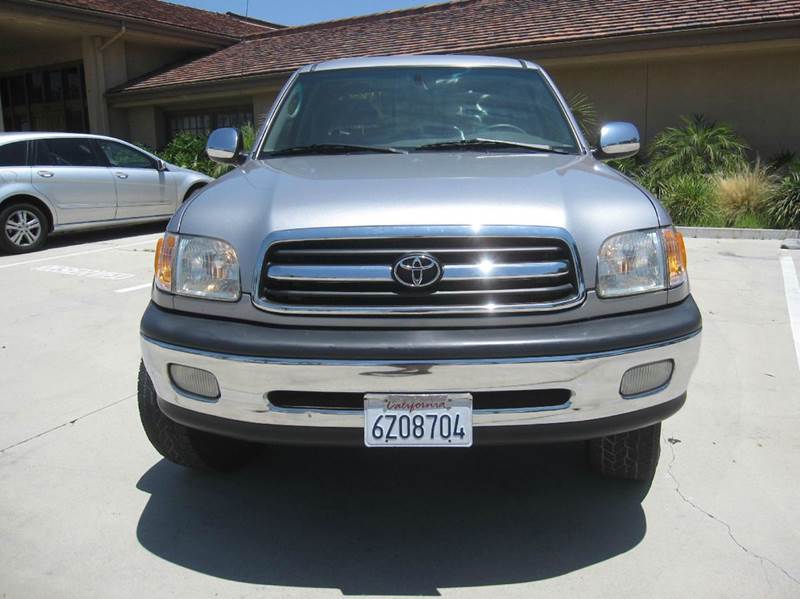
x=14 y=154
x=122 y=156
x=67 y=152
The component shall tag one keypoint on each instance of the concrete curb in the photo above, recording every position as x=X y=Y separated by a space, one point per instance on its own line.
x=731 y=233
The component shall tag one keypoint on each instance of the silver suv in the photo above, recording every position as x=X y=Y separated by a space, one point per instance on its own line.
x=59 y=182
x=418 y=252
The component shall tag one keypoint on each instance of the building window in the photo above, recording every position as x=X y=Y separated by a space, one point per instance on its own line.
x=51 y=99
x=204 y=122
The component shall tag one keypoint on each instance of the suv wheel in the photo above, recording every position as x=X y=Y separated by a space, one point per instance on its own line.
x=632 y=455
x=23 y=228
x=186 y=446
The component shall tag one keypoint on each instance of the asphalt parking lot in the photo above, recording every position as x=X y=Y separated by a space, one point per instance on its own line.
x=89 y=509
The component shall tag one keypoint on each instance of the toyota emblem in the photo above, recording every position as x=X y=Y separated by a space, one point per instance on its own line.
x=417 y=271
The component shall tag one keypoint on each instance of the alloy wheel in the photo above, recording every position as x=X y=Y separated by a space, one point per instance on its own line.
x=23 y=228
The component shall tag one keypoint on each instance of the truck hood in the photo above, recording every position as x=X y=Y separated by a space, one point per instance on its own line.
x=577 y=193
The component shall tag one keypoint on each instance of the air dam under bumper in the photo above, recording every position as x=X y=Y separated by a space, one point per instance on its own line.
x=595 y=407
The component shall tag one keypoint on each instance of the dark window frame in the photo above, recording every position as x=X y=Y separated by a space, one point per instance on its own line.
x=62 y=69
x=213 y=114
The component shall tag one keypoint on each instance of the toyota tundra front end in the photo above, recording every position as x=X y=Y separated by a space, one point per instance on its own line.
x=418 y=252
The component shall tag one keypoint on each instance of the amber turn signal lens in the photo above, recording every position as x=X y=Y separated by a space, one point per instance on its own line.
x=165 y=257
x=676 y=256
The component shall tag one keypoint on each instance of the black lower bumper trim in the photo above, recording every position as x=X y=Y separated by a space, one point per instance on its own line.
x=607 y=334
x=492 y=435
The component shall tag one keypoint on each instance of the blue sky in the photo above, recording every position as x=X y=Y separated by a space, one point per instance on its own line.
x=299 y=12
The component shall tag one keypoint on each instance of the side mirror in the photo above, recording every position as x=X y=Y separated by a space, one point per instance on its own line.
x=225 y=146
x=161 y=165
x=617 y=140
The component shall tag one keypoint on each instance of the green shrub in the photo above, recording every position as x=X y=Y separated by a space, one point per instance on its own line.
x=690 y=201
x=188 y=150
x=248 y=137
x=632 y=167
x=751 y=221
x=698 y=147
x=784 y=209
x=743 y=194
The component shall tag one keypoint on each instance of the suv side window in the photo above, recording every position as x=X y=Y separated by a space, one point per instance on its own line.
x=14 y=154
x=122 y=156
x=65 y=151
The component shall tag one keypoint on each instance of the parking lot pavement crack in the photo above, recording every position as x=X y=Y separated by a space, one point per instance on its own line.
x=68 y=423
x=727 y=526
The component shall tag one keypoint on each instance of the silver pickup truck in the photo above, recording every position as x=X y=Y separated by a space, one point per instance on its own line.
x=418 y=251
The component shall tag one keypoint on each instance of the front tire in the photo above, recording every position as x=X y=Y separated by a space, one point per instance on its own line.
x=632 y=455
x=187 y=446
x=23 y=228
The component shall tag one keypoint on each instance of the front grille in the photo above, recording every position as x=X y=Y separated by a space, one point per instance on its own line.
x=507 y=269
x=527 y=399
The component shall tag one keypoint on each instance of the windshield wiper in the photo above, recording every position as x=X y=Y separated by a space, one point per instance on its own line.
x=479 y=142
x=331 y=149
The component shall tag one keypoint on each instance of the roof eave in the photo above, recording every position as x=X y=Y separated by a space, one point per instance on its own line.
x=145 y=25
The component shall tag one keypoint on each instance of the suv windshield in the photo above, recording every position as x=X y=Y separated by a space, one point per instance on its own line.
x=414 y=108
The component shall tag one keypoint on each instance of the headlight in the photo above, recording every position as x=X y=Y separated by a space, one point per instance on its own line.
x=197 y=267
x=641 y=261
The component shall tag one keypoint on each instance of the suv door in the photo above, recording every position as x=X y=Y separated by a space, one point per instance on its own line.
x=142 y=189
x=72 y=174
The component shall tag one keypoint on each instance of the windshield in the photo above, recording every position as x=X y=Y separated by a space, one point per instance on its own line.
x=406 y=108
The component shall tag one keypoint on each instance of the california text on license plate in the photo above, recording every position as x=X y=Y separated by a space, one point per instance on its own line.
x=418 y=420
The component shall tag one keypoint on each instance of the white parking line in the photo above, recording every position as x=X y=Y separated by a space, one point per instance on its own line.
x=105 y=249
x=86 y=273
x=134 y=288
x=792 y=287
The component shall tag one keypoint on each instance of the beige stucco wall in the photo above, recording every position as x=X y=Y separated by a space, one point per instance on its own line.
x=756 y=92
x=145 y=126
x=143 y=58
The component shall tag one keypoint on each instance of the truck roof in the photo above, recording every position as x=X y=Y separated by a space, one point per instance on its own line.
x=416 y=60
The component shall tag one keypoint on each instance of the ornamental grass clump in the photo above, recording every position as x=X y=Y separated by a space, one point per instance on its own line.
x=744 y=195
x=784 y=209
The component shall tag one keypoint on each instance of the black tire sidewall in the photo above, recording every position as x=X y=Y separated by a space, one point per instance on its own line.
x=6 y=245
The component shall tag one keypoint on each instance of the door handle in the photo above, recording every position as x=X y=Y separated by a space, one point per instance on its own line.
x=45 y=174
x=121 y=175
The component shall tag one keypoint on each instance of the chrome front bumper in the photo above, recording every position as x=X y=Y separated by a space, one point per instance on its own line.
x=593 y=379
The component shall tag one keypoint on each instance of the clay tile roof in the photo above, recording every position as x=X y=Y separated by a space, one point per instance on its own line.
x=463 y=26
x=166 y=13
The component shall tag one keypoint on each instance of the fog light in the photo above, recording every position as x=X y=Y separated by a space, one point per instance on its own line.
x=645 y=378
x=194 y=381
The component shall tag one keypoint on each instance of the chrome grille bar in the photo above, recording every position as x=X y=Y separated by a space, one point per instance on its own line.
x=383 y=273
x=330 y=273
x=434 y=295
x=488 y=271
x=419 y=247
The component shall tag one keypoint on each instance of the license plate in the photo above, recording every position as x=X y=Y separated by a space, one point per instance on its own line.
x=418 y=420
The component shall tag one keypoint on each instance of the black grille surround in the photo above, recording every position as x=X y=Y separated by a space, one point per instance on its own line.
x=502 y=269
